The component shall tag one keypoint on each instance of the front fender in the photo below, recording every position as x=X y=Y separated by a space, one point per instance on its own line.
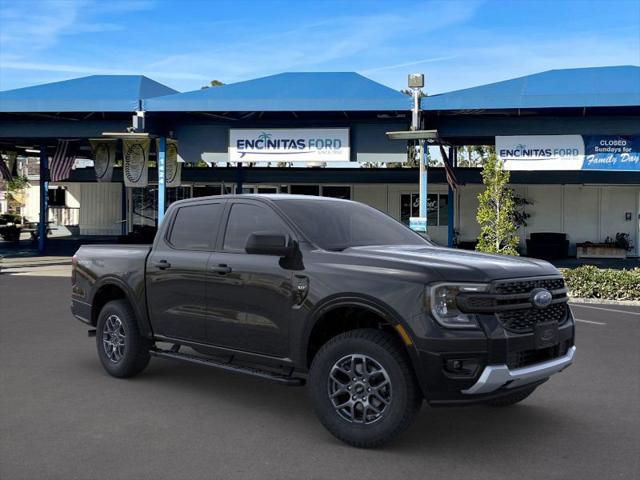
x=390 y=315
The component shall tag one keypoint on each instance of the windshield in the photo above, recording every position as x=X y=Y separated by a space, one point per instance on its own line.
x=336 y=225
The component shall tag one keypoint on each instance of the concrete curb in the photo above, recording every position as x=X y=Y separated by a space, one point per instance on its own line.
x=602 y=301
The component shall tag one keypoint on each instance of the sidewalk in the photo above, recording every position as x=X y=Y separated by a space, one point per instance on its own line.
x=35 y=261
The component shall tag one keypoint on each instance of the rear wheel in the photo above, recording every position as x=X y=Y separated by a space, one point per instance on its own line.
x=511 y=399
x=123 y=352
x=363 y=388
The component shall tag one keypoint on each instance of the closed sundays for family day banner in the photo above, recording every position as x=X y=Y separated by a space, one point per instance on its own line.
x=569 y=152
x=289 y=145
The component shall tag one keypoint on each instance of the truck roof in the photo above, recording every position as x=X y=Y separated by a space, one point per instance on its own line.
x=262 y=196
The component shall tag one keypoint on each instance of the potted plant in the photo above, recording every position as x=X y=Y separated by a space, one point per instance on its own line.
x=611 y=247
x=10 y=226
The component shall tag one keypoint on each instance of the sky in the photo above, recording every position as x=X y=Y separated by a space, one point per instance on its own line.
x=185 y=44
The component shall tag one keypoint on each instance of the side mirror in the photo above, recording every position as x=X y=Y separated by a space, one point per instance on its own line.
x=267 y=243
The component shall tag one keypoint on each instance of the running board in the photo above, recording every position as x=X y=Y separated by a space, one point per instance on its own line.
x=185 y=357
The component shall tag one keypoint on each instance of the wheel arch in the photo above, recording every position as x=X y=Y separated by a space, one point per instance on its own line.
x=113 y=288
x=343 y=313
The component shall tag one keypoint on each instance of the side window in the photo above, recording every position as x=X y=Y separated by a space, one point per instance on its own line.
x=196 y=227
x=246 y=219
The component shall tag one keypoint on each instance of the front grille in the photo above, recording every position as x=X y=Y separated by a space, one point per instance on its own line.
x=510 y=301
x=530 y=357
x=525 y=286
x=523 y=320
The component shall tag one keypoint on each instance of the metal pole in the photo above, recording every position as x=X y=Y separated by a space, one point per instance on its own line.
x=450 y=200
x=162 y=183
x=44 y=199
x=421 y=153
x=239 y=179
x=415 y=93
x=423 y=179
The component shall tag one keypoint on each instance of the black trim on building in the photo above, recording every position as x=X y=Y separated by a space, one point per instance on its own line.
x=373 y=175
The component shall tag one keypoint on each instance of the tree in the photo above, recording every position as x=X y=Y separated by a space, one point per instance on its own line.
x=474 y=155
x=496 y=211
x=213 y=83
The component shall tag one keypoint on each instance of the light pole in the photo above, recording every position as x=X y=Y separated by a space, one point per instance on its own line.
x=416 y=83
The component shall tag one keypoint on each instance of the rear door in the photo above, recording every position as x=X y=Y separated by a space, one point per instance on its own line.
x=250 y=297
x=177 y=271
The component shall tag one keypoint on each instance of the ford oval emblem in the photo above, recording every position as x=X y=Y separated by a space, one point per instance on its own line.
x=541 y=298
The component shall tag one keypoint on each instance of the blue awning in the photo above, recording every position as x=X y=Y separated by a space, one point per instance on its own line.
x=96 y=93
x=577 y=87
x=288 y=92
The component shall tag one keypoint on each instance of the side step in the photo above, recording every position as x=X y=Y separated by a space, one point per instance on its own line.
x=185 y=357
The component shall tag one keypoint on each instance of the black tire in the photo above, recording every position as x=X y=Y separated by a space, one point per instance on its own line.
x=133 y=355
x=404 y=395
x=511 y=399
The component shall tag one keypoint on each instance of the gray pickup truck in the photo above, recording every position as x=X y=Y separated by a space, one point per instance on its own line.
x=332 y=293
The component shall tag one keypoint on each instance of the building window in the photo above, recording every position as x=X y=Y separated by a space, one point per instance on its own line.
x=144 y=206
x=437 y=211
x=57 y=197
x=304 y=189
x=177 y=193
x=337 y=191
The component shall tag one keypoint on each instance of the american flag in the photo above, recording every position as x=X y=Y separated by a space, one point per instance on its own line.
x=62 y=161
x=448 y=169
x=4 y=170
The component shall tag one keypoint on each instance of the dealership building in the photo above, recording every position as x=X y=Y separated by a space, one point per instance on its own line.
x=570 y=137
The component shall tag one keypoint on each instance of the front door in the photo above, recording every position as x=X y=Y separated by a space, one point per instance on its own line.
x=177 y=272
x=249 y=297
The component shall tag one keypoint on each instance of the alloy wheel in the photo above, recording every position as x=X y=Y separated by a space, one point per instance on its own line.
x=113 y=338
x=359 y=389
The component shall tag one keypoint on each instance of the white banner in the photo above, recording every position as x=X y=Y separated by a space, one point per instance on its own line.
x=289 y=145
x=104 y=157
x=541 y=152
x=136 y=162
x=173 y=166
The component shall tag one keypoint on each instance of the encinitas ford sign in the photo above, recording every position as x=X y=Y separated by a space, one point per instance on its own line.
x=541 y=152
x=569 y=152
x=289 y=145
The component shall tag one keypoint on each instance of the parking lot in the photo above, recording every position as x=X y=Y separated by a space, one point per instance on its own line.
x=63 y=417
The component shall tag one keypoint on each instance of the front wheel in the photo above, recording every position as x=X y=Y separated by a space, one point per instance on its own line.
x=363 y=388
x=122 y=350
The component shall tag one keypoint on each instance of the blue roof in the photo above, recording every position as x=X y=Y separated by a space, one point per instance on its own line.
x=577 y=87
x=96 y=93
x=298 y=92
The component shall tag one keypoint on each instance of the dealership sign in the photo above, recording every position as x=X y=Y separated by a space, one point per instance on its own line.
x=541 y=152
x=289 y=145
x=611 y=153
x=569 y=152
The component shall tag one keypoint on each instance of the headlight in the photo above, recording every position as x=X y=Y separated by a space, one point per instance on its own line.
x=444 y=307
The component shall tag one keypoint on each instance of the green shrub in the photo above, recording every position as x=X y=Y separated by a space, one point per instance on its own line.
x=588 y=281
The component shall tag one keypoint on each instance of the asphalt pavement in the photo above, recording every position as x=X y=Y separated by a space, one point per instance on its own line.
x=63 y=417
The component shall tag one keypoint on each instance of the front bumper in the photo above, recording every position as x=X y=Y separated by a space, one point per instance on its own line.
x=501 y=362
x=494 y=377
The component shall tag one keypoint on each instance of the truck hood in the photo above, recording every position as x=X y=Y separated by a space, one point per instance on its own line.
x=457 y=265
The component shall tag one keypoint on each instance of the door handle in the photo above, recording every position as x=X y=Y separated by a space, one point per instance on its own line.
x=222 y=269
x=162 y=264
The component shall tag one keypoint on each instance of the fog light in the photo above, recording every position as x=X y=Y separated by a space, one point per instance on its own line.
x=463 y=367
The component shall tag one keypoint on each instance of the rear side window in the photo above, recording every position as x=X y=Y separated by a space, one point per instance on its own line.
x=246 y=219
x=196 y=227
